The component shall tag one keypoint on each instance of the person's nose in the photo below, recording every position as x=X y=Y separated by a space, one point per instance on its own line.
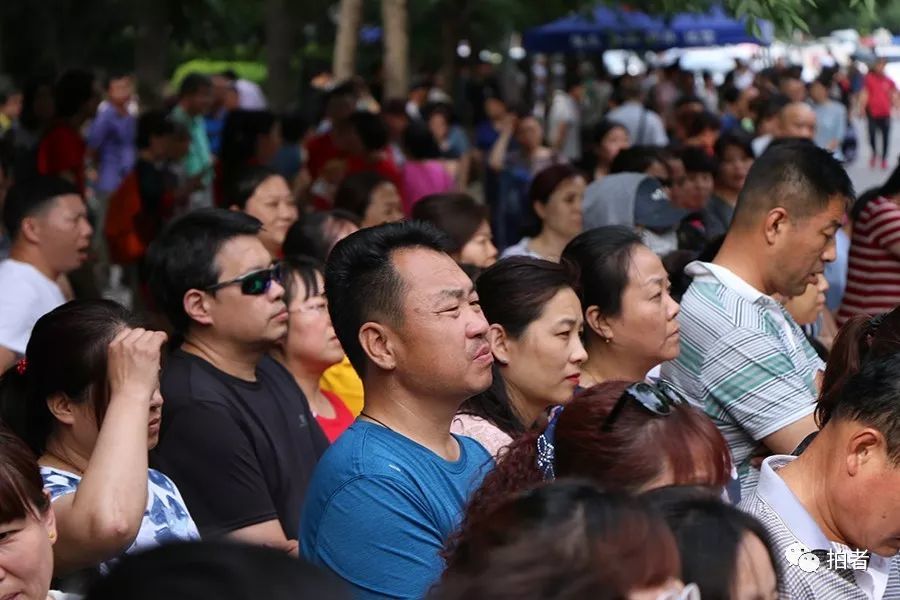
x=579 y=353
x=275 y=291
x=157 y=400
x=829 y=254
x=674 y=308
x=477 y=326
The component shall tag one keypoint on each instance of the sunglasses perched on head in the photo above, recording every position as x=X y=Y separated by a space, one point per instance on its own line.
x=658 y=399
x=254 y=283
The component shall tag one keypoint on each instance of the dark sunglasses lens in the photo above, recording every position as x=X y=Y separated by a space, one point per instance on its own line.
x=257 y=283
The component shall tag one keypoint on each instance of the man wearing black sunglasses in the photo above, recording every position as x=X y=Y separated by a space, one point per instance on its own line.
x=237 y=434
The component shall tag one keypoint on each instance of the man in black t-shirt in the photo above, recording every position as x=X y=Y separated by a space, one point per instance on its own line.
x=237 y=434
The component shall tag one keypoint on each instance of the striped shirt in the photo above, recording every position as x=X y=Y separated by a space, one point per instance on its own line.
x=790 y=527
x=744 y=361
x=873 y=276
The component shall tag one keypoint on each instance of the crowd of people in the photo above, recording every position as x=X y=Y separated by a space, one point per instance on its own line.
x=643 y=346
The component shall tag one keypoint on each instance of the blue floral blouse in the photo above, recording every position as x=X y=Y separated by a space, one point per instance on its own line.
x=166 y=518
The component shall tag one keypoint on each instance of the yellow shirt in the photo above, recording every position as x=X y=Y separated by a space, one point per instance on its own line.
x=341 y=379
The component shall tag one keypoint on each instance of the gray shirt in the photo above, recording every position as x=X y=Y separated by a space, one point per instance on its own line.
x=717 y=217
x=831 y=125
x=644 y=126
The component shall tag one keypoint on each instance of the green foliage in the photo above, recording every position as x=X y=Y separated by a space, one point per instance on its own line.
x=253 y=71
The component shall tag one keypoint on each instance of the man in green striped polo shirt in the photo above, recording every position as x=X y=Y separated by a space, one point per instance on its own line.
x=743 y=358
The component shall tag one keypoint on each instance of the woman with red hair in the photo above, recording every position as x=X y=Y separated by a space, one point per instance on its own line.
x=622 y=436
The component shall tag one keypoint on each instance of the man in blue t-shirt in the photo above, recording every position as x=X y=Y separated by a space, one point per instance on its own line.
x=387 y=494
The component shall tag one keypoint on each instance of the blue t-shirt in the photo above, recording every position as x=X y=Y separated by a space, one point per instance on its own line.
x=380 y=507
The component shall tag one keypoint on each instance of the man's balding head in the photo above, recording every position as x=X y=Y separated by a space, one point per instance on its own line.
x=796 y=120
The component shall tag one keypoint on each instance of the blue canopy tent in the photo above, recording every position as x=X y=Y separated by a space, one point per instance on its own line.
x=618 y=29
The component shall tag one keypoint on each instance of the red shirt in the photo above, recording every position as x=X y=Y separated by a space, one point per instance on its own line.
x=880 y=90
x=62 y=150
x=384 y=167
x=343 y=418
x=321 y=150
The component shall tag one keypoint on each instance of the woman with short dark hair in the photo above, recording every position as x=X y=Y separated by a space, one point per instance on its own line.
x=725 y=551
x=554 y=213
x=566 y=541
x=535 y=335
x=629 y=314
x=465 y=222
x=86 y=400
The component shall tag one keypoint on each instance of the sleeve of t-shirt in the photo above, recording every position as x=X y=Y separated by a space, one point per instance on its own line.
x=752 y=381
x=211 y=459
x=376 y=534
x=887 y=231
x=18 y=319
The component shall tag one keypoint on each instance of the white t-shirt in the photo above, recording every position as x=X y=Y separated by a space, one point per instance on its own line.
x=26 y=295
x=564 y=110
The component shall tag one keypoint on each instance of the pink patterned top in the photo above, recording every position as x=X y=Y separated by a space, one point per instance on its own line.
x=482 y=431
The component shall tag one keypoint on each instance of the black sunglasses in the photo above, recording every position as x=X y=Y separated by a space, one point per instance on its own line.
x=658 y=399
x=255 y=283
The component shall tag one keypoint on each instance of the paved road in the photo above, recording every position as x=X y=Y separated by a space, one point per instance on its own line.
x=863 y=177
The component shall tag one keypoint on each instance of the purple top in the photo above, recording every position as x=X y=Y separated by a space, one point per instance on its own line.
x=112 y=136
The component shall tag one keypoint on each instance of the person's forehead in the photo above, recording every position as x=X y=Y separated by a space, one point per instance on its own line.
x=242 y=254
x=66 y=203
x=428 y=273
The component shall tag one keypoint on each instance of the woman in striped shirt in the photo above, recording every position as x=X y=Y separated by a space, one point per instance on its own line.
x=873 y=277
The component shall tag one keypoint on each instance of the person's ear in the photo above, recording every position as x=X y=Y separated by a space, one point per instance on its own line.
x=62 y=408
x=863 y=449
x=598 y=323
x=235 y=208
x=540 y=209
x=196 y=305
x=776 y=223
x=30 y=230
x=500 y=343
x=48 y=519
x=376 y=342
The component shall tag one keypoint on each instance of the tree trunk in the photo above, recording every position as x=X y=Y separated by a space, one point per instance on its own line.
x=396 y=48
x=279 y=47
x=344 y=65
x=150 y=46
x=449 y=41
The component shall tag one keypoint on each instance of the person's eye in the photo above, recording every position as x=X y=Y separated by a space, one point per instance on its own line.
x=8 y=534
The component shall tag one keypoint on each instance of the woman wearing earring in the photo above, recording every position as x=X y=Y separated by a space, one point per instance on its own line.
x=629 y=315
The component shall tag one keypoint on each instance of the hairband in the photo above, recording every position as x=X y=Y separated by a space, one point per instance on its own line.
x=545 y=449
x=22 y=366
